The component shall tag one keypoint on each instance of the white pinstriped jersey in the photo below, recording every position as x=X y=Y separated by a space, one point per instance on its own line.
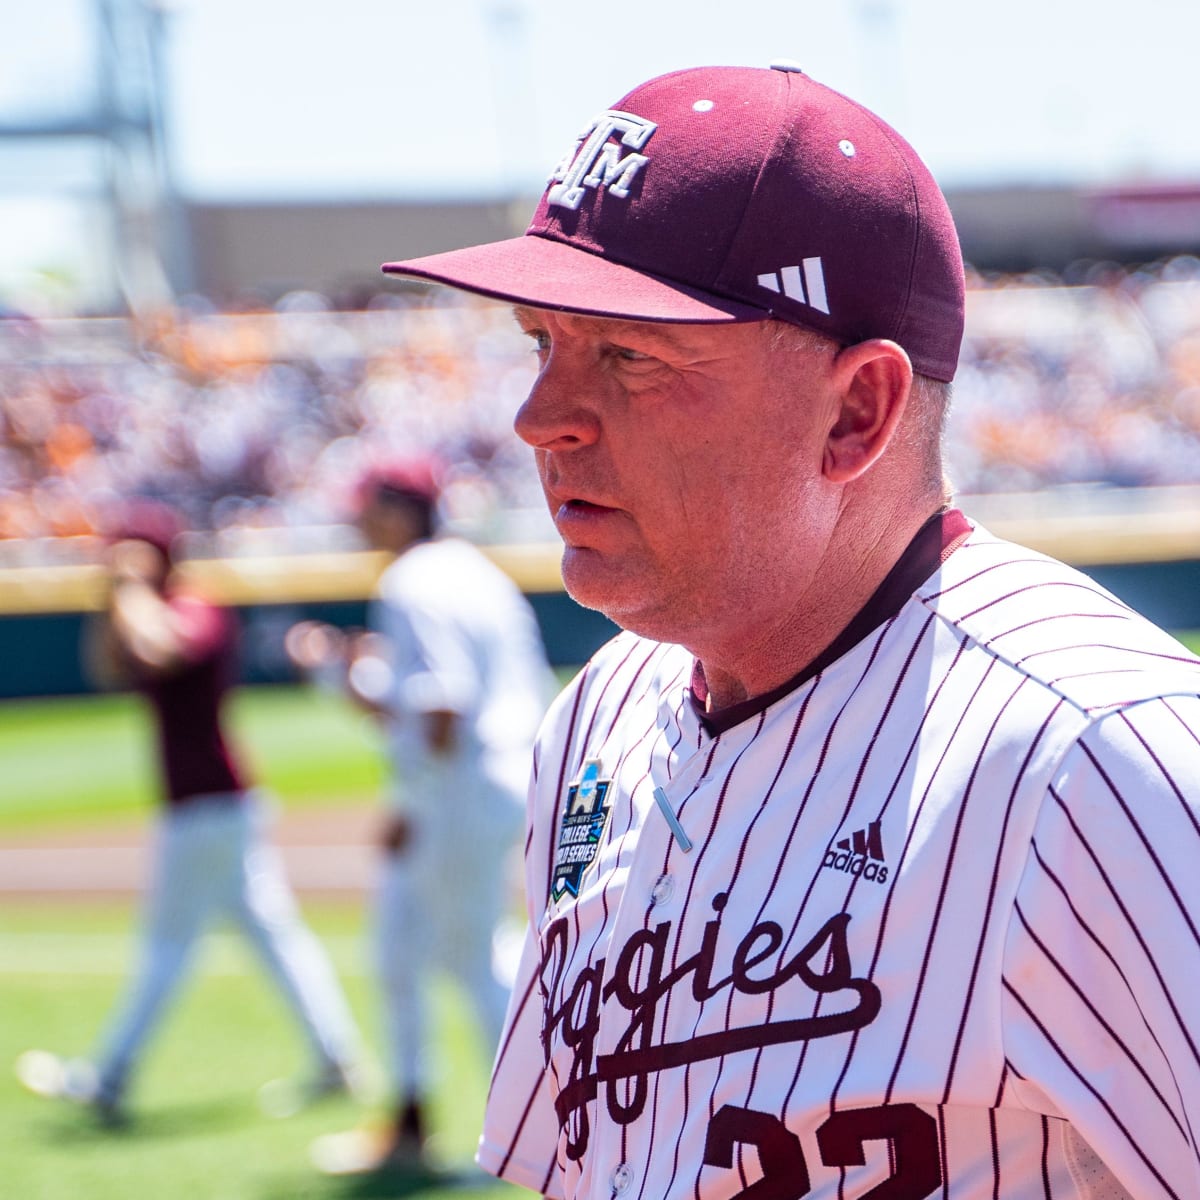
x=936 y=934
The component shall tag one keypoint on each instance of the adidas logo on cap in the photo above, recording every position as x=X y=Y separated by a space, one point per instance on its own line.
x=804 y=283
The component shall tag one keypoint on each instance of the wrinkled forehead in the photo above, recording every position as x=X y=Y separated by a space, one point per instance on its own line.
x=528 y=315
x=688 y=341
x=677 y=335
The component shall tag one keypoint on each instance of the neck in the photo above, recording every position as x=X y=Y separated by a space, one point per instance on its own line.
x=753 y=657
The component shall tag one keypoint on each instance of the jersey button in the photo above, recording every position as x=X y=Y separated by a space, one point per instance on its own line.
x=663 y=889
x=622 y=1179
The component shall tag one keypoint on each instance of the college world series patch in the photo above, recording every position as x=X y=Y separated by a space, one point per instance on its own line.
x=583 y=822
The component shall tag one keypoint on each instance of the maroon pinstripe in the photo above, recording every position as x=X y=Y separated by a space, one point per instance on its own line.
x=1086 y=1083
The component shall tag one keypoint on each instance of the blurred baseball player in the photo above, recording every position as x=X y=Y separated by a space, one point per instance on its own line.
x=865 y=863
x=454 y=667
x=211 y=854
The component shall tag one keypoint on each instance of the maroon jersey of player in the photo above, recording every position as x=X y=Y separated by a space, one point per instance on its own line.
x=194 y=756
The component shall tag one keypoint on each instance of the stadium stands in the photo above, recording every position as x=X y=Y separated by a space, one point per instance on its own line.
x=252 y=422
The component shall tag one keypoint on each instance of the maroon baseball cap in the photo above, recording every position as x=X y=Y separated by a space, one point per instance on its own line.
x=736 y=194
x=412 y=477
x=146 y=520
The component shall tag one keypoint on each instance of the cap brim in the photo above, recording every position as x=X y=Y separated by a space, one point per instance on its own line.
x=545 y=273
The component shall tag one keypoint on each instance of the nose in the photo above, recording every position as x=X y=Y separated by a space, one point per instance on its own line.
x=556 y=414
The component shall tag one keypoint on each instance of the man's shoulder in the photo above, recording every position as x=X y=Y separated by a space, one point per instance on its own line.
x=1056 y=625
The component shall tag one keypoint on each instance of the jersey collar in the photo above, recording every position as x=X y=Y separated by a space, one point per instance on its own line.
x=933 y=543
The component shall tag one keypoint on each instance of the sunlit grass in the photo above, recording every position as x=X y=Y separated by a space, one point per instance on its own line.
x=197 y=1131
x=88 y=758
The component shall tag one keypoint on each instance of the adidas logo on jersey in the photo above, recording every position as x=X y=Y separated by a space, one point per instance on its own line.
x=859 y=854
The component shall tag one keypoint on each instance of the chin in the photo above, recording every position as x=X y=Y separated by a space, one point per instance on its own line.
x=631 y=599
x=599 y=581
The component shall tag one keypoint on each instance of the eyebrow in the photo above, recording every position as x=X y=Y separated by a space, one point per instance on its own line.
x=523 y=314
x=661 y=332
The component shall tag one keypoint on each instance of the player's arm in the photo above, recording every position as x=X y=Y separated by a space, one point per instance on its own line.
x=371 y=683
x=361 y=667
x=413 y=667
x=319 y=651
x=519 y=1140
x=149 y=634
x=155 y=636
x=1103 y=952
x=371 y=676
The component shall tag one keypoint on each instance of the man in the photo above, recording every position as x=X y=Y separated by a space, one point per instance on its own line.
x=454 y=667
x=211 y=856
x=864 y=863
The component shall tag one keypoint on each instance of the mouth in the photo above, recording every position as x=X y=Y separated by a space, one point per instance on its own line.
x=579 y=521
x=576 y=505
x=564 y=501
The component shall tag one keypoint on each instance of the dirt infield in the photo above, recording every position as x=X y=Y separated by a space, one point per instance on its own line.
x=328 y=851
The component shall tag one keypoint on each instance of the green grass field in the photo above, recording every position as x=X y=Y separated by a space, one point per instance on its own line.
x=91 y=758
x=198 y=1134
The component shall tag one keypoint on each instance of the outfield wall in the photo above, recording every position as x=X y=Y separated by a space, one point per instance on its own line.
x=43 y=610
x=1147 y=553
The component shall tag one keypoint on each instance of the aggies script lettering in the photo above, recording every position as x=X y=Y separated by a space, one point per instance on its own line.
x=575 y=1021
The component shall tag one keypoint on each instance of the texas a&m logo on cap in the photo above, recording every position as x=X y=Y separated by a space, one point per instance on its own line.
x=582 y=827
x=595 y=161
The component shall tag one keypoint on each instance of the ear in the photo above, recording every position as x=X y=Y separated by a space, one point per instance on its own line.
x=873 y=381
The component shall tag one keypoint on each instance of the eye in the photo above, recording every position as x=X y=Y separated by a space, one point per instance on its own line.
x=628 y=354
x=540 y=339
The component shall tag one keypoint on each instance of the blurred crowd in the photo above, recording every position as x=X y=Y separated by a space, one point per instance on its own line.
x=1089 y=379
x=255 y=422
